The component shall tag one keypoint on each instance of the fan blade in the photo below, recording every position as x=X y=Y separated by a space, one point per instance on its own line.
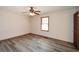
x=37 y=13
x=24 y=12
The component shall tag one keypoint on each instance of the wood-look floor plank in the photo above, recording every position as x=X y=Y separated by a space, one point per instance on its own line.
x=34 y=43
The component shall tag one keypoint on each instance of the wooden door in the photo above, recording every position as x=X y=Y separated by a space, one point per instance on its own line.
x=76 y=30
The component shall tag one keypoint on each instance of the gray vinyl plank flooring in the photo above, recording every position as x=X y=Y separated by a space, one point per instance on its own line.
x=34 y=43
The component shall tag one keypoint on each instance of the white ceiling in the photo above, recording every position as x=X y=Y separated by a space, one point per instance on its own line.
x=43 y=9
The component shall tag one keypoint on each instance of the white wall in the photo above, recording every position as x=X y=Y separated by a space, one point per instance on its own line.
x=12 y=24
x=77 y=8
x=60 y=27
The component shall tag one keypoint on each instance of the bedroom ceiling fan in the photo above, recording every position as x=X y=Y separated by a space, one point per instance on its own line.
x=33 y=12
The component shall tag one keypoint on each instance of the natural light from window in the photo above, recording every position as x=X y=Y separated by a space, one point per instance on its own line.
x=44 y=23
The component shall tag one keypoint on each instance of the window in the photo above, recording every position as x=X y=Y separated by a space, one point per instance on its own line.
x=45 y=23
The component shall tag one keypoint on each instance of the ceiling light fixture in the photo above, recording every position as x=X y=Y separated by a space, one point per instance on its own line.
x=32 y=14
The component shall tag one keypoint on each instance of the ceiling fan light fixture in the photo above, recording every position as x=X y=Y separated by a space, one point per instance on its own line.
x=32 y=14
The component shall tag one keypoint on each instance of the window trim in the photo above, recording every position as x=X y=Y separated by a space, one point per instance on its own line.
x=41 y=24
